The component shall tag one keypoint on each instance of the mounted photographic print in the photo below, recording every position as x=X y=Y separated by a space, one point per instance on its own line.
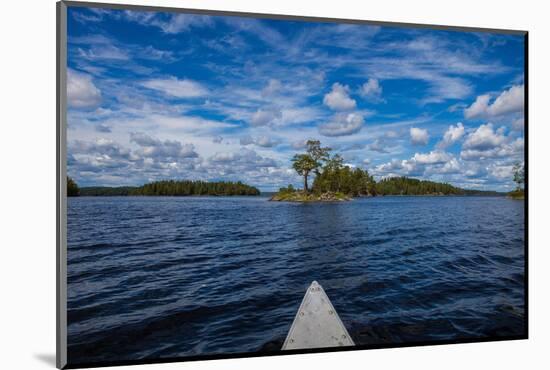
x=234 y=184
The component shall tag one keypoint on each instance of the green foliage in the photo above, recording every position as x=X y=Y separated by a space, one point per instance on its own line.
x=519 y=175
x=288 y=189
x=311 y=161
x=408 y=186
x=72 y=188
x=106 y=191
x=342 y=179
x=182 y=188
x=176 y=188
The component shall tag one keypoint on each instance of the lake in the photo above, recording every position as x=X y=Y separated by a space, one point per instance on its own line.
x=158 y=277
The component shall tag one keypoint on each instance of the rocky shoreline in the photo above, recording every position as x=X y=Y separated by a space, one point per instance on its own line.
x=299 y=196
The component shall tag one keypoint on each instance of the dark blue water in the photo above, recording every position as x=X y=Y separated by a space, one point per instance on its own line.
x=154 y=277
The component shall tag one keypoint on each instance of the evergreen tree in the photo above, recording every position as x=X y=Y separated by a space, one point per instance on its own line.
x=72 y=188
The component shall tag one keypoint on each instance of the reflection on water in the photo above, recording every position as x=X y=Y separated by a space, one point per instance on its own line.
x=171 y=277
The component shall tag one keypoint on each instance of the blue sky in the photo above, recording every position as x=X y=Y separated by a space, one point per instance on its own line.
x=162 y=95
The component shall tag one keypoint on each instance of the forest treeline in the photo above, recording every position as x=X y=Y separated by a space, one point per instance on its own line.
x=409 y=186
x=168 y=188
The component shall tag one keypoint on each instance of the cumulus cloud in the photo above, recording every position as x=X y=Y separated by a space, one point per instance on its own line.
x=175 y=87
x=266 y=142
x=486 y=142
x=399 y=167
x=485 y=137
x=81 y=91
x=339 y=99
x=243 y=160
x=167 y=149
x=453 y=166
x=434 y=162
x=342 y=124
x=263 y=141
x=513 y=149
x=509 y=101
x=371 y=90
x=265 y=117
x=419 y=136
x=100 y=146
x=452 y=135
x=433 y=157
x=501 y=171
x=99 y=156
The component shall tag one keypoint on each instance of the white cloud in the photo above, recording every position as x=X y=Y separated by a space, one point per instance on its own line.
x=81 y=91
x=399 y=167
x=167 y=149
x=176 y=23
x=107 y=52
x=342 y=124
x=175 y=87
x=518 y=124
x=513 y=149
x=371 y=90
x=241 y=161
x=183 y=22
x=509 y=101
x=263 y=141
x=450 y=167
x=419 y=136
x=338 y=99
x=452 y=135
x=273 y=86
x=266 y=142
x=486 y=142
x=265 y=117
x=433 y=157
x=501 y=171
x=484 y=137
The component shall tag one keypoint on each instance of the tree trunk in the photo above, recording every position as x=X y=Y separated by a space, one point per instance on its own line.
x=305 y=182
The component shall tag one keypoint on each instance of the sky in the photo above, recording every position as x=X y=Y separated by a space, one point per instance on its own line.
x=155 y=96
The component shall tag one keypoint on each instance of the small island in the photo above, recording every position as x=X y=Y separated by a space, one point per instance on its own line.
x=334 y=181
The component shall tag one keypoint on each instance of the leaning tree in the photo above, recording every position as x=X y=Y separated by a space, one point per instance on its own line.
x=311 y=161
